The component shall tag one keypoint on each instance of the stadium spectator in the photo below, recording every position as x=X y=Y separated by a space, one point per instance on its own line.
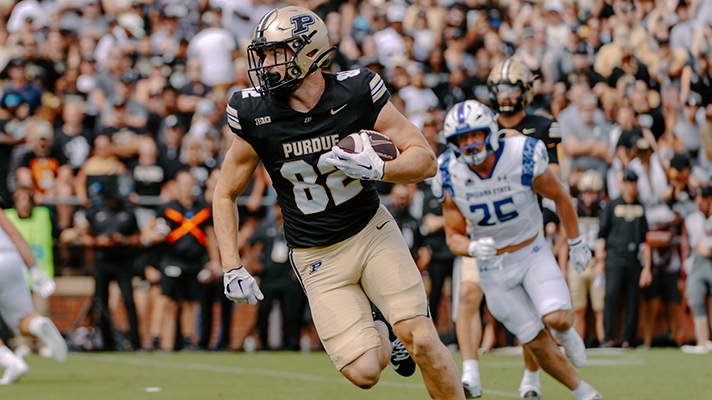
x=621 y=240
x=18 y=84
x=587 y=141
x=215 y=48
x=189 y=247
x=589 y=285
x=114 y=235
x=278 y=282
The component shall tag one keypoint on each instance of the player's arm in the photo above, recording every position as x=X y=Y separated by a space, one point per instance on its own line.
x=238 y=167
x=417 y=160
x=22 y=247
x=548 y=185
x=455 y=227
x=41 y=283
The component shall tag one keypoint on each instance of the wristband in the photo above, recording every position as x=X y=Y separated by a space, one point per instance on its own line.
x=575 y=241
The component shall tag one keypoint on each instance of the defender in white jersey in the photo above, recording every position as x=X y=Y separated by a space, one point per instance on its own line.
x=493 y=183
x=16 y=301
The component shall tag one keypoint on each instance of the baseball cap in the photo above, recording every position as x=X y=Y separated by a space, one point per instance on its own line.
x=16 y=62
x=630 y=176
x=396 y=13
x=11 y=100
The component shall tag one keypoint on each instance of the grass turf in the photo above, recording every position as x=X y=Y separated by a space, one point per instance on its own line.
x=653 y=374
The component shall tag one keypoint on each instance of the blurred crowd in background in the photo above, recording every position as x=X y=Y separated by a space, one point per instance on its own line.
x=112 y=117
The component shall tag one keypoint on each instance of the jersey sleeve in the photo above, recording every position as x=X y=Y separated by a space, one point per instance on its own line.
x=441 y=181
x=535 y=160
x=236 y=109
x=377 y=96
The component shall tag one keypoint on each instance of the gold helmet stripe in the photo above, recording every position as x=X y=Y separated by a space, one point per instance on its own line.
x=504 y=74
x=262 y=25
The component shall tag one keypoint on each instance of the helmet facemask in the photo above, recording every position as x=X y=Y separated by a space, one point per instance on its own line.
x=506 y=90
x=282 y=76
x=468 y=153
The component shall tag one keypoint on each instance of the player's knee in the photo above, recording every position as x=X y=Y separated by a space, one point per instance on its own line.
x=559 y=320
x=470 y=295
x=363 y=376
x=418 y=335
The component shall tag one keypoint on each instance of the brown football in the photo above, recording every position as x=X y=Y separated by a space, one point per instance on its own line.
x=381 y=144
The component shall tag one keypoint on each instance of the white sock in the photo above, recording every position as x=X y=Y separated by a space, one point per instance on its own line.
x=531 y=376
x=583 y=390
x=35 y=326
x=470 y=370
x=6 y=357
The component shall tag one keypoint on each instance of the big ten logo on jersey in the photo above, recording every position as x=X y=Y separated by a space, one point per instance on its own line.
x=309 y=146
x=263 y=120
x=340 y=76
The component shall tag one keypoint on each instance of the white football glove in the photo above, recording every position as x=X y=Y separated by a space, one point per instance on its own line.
x=41 y=283
x=241 y=287
x=364 y=165
x=579 y=254
x=482 y=249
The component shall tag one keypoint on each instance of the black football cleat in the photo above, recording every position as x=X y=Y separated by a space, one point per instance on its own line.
x=400 y=361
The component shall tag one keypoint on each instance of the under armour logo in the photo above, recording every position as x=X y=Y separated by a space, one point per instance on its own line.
x=301 y=23
x=313 y=267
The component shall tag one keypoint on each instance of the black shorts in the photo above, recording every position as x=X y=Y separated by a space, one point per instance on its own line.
x=179 y=283
x=664 y=286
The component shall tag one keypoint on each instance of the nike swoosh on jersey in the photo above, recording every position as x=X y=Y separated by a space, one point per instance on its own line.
x=379 y=228
x=333 y=112
x=528 y=131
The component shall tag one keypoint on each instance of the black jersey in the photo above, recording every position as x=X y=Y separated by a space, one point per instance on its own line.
x=589 y=224
x=544 y=128
x=320 y=204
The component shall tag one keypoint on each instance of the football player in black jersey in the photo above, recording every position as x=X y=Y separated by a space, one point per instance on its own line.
x=511 y=91
x=345 y=247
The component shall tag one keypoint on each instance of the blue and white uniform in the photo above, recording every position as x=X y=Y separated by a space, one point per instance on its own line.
x=523 y=286
x=15 y=296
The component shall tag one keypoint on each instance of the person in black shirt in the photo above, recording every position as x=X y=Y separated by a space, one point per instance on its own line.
x=114 y=235
x=621 y=239
x=278 y=281
x=189 y=247
x=72 y=137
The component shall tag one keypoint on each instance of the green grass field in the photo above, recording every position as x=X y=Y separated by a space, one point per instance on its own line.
x=653 y=374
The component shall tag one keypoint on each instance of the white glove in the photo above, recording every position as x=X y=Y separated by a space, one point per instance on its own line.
x=241 y=287
x=364 y=165
x=482 y=249
x=41 y=283
x=579 y=254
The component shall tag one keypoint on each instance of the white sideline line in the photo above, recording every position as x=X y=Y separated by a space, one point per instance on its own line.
x=254 y=371
x=626 y=362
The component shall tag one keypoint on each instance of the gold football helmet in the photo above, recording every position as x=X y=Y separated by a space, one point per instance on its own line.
x=507 y=76
x=298 y=40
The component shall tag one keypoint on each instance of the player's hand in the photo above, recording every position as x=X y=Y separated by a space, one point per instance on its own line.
x=579 y=254
x=482 y=249
x=41 y=283
x=364 y=165
x=241 y=287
